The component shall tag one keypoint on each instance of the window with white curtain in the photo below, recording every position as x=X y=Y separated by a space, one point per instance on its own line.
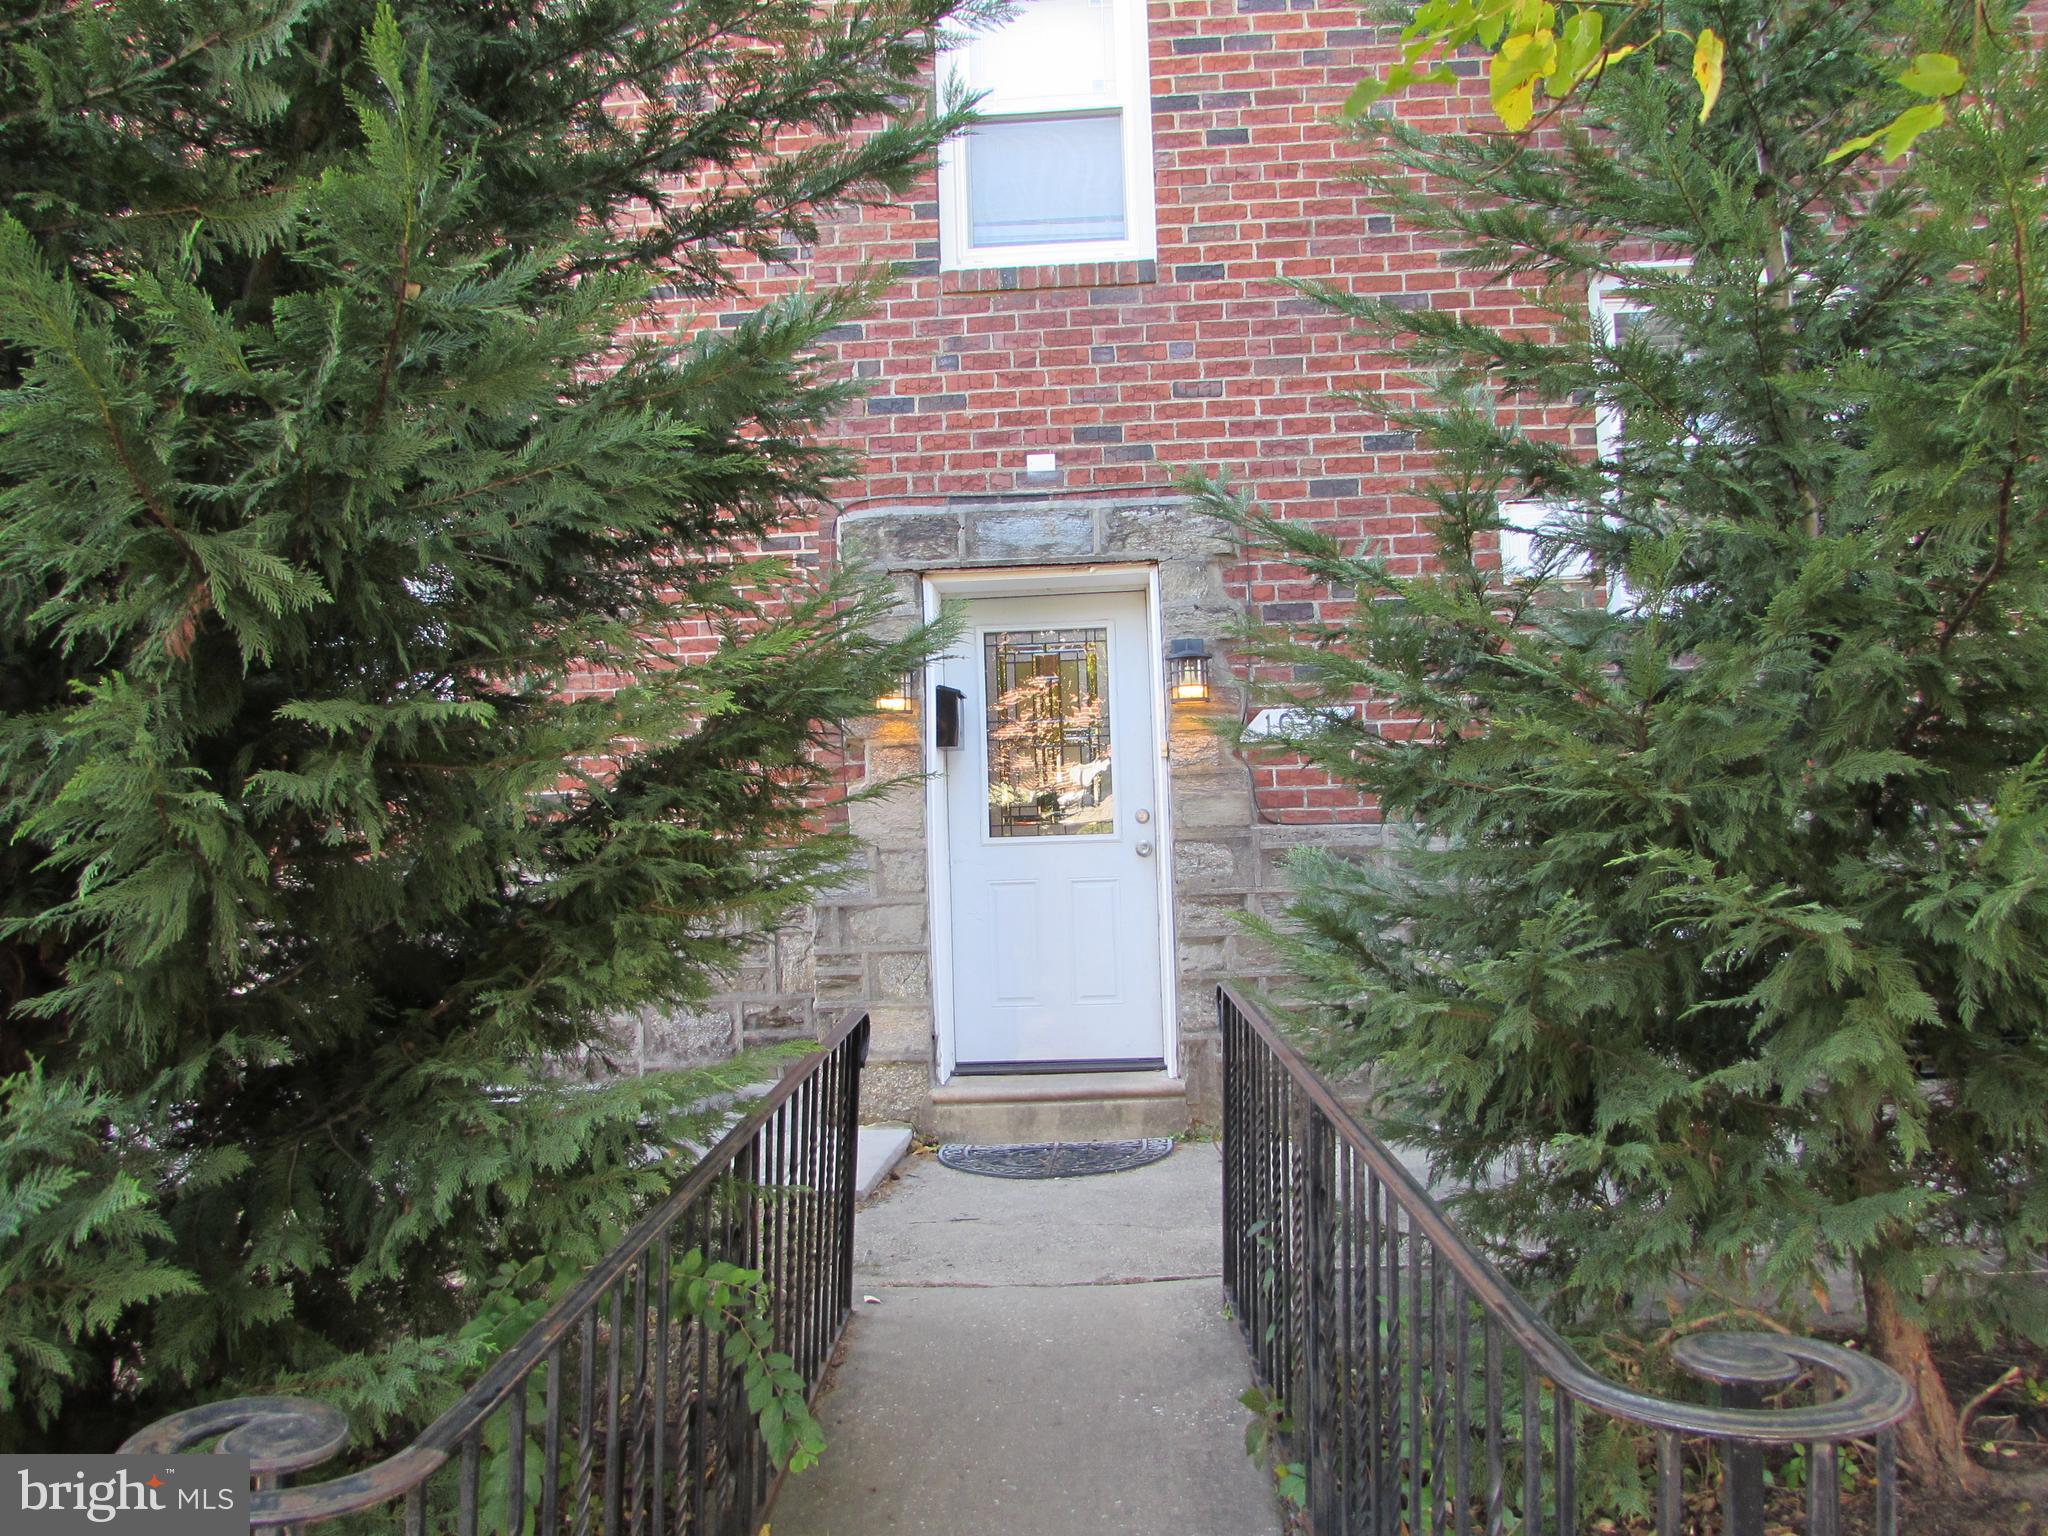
x=1060 y=167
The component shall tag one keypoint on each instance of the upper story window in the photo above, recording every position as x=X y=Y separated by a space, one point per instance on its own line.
x=1060 y=167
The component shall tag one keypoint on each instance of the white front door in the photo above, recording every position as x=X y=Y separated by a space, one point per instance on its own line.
x=1053 y=832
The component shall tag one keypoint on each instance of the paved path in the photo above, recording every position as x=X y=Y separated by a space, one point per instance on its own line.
x=1044 y=1358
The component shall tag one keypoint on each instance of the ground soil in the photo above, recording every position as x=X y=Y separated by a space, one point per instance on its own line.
x=2007 y=1431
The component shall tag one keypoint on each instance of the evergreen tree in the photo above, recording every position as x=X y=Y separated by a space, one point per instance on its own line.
x=327 y=481
x=1720 y=958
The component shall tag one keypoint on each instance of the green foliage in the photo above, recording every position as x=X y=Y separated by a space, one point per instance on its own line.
x=1720 y=955
x=733 y=1304
x=1534 y=44
x=1264 y=1435
x=351 y=775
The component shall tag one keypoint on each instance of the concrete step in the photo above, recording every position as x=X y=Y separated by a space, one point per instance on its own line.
x=1058 y=1106
x=877 y=1151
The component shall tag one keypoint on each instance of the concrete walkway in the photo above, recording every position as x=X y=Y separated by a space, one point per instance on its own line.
x=1043 y=1358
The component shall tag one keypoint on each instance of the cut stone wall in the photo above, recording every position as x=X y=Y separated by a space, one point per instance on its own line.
x=867 y=945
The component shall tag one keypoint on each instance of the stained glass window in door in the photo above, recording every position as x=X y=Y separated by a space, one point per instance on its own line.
x=1048 y=733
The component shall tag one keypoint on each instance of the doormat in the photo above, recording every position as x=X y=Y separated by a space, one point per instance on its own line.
x=1055 y=1159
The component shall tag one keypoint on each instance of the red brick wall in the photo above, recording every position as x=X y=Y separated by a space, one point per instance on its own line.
x=1137 y=371
x=1134 y=372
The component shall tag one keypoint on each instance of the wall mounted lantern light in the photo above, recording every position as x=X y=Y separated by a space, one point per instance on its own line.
x=1187 y=671
x=901 y=697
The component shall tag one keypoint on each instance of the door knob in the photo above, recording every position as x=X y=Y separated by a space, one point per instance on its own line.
x=1144 y=850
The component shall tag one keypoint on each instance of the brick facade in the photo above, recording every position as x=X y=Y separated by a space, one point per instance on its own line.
x=1129 y=374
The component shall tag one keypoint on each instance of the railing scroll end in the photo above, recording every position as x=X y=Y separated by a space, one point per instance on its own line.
x=1872 y=1395
x=279 y=1435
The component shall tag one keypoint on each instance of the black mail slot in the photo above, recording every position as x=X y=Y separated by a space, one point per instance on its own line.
x=946 y=717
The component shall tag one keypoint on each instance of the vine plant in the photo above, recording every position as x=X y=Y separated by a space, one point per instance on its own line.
x=735 y=1305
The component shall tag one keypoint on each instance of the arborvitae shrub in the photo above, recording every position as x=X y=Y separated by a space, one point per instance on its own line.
x=325 y=474
x=1720 y=958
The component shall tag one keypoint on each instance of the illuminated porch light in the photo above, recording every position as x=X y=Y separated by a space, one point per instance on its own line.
x=901 y=699
x=1187 y=671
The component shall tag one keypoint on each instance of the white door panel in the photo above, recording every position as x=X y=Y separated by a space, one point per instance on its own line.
x=1050 y=803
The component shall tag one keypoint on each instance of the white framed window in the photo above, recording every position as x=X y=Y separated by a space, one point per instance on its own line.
x=1523 y=558
x=1060 y=167
x=1618 y=312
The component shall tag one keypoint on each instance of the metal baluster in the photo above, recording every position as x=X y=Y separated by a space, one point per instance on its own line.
x=1461 y=1425
x=1277 y=1257
x=614 y=1463
x=1823 y=1491
x=782 y=1290
x=1283 y=1260
x=1283 y=1247
x=1266 y=1249
x=1274 y=1330
x=810 y=1343
x=818 y=1165
x=831 y=1102
x=663 y=1344
x=1298 y=1259
x=1418 y=1350
x=515 y=1458
x=1396 y=1453
x=1346 y=1300
x=465 y=1508
x=795 y=1344
x=1364 y=1361
x=1439 y=1397
x=848 y=1137
x=1564 y=1429
x=1243 y=1123
x=1670 y=1482
x=586 y=1447
x=1249 y=1213
x=768 y=1193
x=1742 y=1470
x=636 y=1500
x=1319 y=1398
x=1232 y=1224
x=1496 y=1450
x=741 y=1439
x=1532 y=1452
x=701 y=1395
x=551 y=1447
x=1887 y=1507
x=1375 y=1425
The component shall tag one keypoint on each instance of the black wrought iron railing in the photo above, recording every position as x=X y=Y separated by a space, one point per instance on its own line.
x=619 y=1411
x=1424 y=1396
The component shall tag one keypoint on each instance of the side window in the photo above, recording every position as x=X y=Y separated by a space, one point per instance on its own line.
x=1522 y=557
x=1060 y=167
x=1618 y=314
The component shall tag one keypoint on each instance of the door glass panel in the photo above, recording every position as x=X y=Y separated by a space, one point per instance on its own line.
x=1048 y=733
